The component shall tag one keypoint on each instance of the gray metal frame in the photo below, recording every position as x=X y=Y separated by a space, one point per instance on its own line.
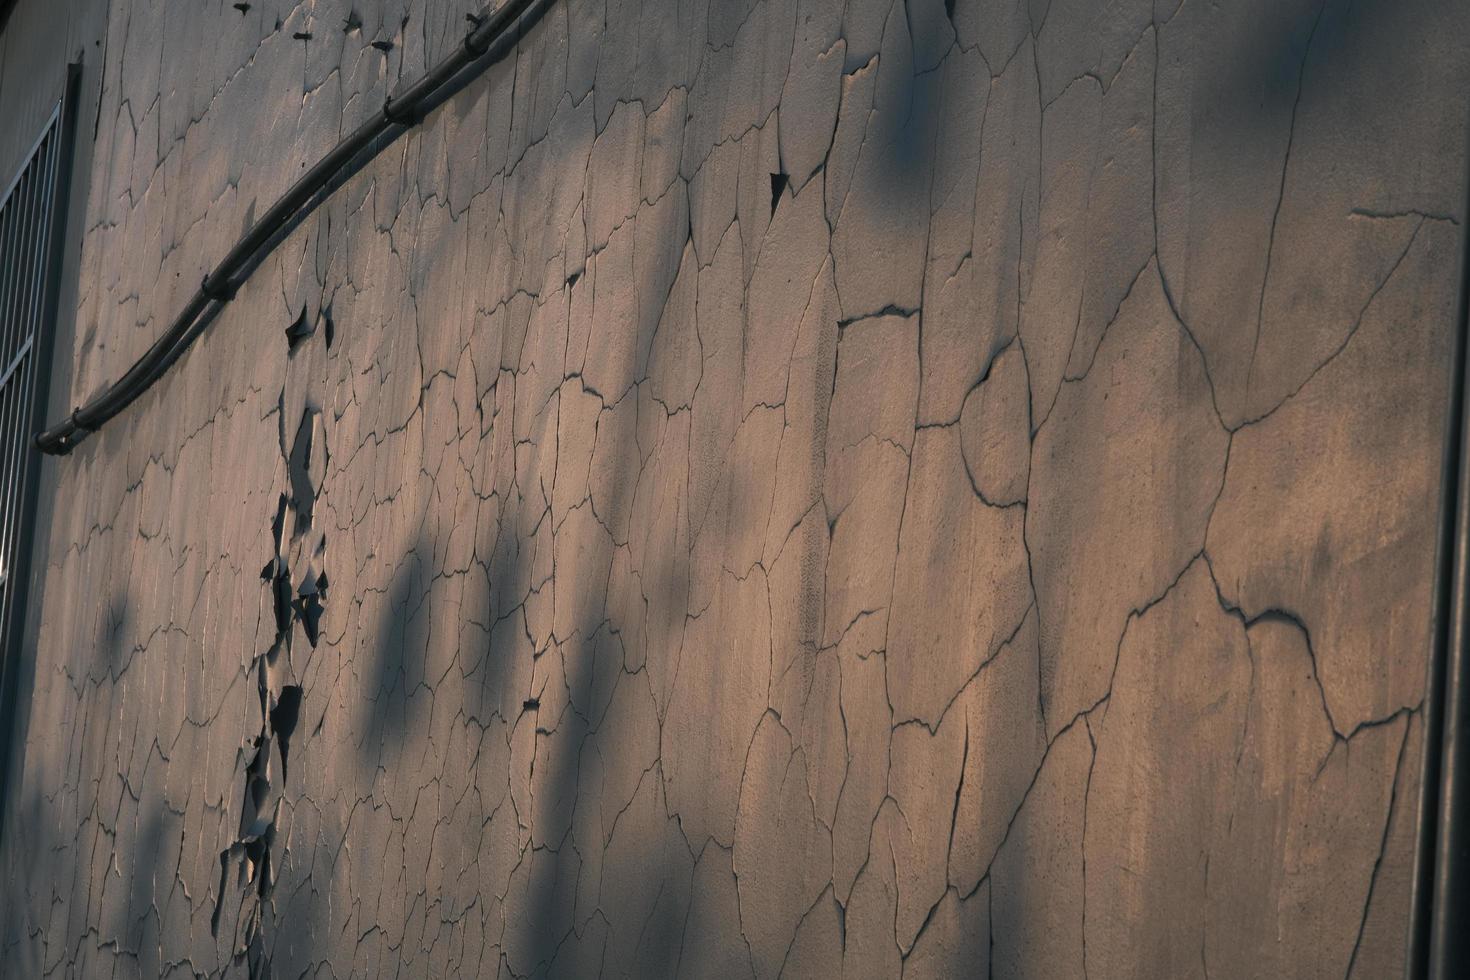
x=32 y=229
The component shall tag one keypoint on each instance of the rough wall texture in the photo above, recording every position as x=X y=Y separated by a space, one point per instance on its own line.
x=751 y=489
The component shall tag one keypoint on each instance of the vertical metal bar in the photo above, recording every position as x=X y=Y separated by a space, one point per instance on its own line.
x=10 y=271
x=20 y=256
x=9 y=422
x=13 y=416
x=30 y=217
x=16 y=450
x=5 y=589
x=7 y=413
x=11 y=490
x=7 y=273
x=25 y=255
x=10 y=276
x=1439 y=899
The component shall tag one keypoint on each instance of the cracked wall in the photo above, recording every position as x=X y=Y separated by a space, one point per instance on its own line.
x=754 y=488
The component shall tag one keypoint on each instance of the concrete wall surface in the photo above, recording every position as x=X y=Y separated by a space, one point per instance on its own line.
x=750 y=488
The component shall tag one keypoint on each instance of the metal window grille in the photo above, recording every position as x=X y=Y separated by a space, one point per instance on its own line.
x=32 y=223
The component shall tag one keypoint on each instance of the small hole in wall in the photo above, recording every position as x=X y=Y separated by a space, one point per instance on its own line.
x=244 y=8
x=778 y=184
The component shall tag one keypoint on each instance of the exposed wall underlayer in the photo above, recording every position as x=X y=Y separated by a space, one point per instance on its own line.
x=754 y=488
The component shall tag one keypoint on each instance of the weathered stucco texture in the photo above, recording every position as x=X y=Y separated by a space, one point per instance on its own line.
x=753 y=488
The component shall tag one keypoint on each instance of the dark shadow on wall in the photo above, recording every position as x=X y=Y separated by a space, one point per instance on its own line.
x=545 y=930
x=298 y=916
x=136 y=924
x=575 y=750
x=903 y=126
x=394 y=666
x=1266 y=61
x=26 y=816
x=122 y=817
x=116 y=643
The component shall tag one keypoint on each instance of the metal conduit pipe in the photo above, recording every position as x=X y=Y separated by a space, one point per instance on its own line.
x=400 y=112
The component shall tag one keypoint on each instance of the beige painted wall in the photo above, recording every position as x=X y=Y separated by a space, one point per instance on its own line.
x=1004 y=551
